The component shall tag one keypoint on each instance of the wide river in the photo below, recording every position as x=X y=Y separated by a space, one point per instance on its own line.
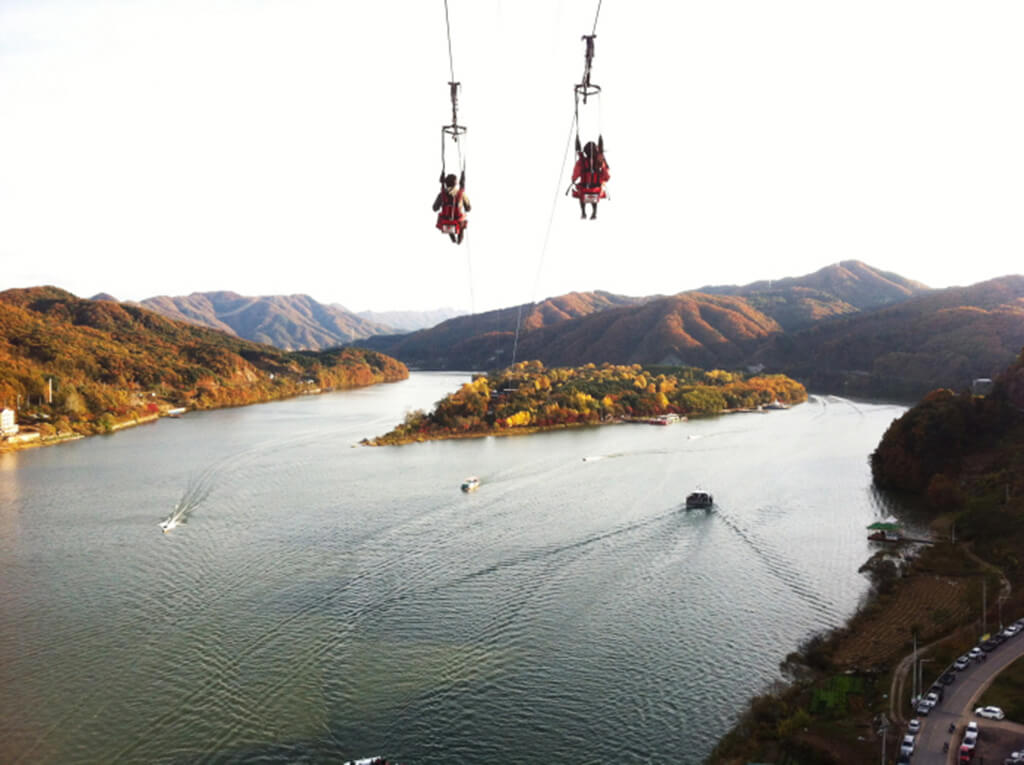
x=327 y=601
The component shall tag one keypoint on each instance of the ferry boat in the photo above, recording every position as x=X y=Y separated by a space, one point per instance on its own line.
x=665 y=419
x=699 y=500
x=471 y=484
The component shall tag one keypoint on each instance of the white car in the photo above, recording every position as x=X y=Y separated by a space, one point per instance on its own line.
x=914 y=726
x=975 y=653
x=970 y=740
x=990 y=713
x=962 y=663
x=907 y=745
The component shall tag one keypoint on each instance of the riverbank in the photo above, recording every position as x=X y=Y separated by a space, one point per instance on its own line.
x=838 y=684
x=849 y=686
x=36 y=435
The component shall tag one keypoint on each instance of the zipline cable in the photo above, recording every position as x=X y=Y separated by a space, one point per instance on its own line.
x=573 y=127
x=547 y=237
x=448 y=28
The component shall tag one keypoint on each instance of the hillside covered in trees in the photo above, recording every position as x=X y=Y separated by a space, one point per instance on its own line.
x=954 y=449
x=107 y=363
x=941 y=338
x=527 y=397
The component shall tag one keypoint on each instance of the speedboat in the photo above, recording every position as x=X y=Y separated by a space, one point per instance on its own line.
x=698 y=500
x=471 y=484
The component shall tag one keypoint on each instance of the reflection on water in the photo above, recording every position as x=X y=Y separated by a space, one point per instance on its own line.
x=327 y=601
x=9 y=498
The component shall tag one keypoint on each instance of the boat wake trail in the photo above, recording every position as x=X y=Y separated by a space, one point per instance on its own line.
x=196 y=492
x=780 y=567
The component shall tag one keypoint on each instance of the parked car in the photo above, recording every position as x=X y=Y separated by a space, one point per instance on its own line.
x=962 y=663
x=989 y=646
x=990 y=713
x=966 y=754
x=972 y=727
x=970 y=739
x=907 y=745
x=933 y=698
x=914 y=726
x=975 y=653
x=923 y=707
x=938 y=690
x=948 y=679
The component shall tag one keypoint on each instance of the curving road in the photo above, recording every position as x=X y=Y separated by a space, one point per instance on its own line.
x=958 y=707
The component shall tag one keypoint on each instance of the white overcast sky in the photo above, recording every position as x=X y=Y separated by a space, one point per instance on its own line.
x=154 y=147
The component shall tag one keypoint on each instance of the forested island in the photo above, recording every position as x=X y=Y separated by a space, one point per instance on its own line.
x=71 y=367
x=528 y=397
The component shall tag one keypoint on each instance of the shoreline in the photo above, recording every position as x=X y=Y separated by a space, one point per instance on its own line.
x=7 y=446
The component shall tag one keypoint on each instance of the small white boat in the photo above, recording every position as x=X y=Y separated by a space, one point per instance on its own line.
x=167 y=525
x=471 y=484
x=776 y=404
x=699 y=500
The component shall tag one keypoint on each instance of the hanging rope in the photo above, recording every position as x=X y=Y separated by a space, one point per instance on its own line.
x=594 y=30
x=547 y=237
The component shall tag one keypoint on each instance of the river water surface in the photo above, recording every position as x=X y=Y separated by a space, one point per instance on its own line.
x=327 y=601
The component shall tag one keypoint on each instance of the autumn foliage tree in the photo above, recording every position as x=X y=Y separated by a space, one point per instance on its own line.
x=528 y=396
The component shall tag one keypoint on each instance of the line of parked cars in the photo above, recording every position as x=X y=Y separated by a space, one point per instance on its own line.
x=933 y=697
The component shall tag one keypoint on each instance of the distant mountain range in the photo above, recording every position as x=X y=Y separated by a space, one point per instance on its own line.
x=407 y=321
x=289 y=322
x=847 y=327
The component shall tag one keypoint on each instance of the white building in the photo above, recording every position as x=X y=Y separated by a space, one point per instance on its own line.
x=8 y=427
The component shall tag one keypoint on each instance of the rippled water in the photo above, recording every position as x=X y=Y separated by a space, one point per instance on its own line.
x=325 y=600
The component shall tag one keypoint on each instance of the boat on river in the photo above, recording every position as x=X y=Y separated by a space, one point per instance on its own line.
x=698 y=500
x=471 y=484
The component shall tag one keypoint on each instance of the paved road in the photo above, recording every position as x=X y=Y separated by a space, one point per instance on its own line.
x=958 y=706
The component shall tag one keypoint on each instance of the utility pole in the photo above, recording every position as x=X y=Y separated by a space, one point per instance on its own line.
x=983 y=607
x=885 y=727
x=49 y=392
x=913 y=675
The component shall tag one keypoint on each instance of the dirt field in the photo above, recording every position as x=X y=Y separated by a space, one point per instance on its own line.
x=934 y=604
